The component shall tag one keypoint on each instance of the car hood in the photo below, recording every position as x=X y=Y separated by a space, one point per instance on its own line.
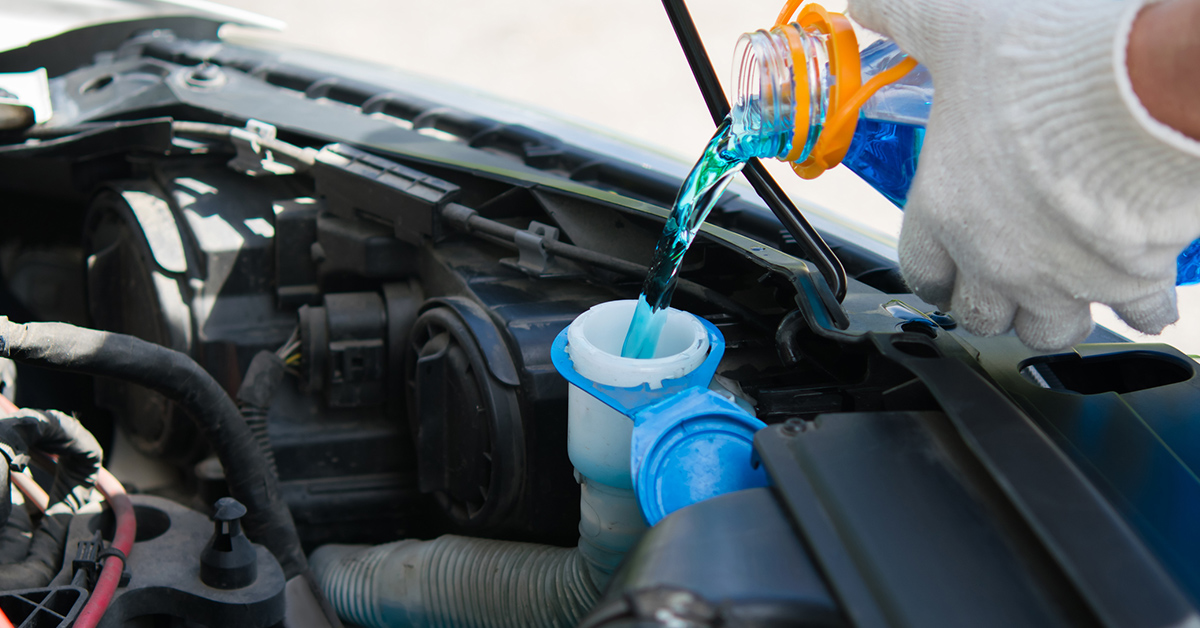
x=30 y=22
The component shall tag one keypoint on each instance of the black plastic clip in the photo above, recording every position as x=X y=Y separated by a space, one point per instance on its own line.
x=534 y=259
x=112 y=551
x=87 y=559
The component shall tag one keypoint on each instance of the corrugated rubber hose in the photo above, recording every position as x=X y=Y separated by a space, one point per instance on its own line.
x=455 y=581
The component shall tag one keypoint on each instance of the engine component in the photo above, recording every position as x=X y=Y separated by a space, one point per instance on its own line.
x=184 y=260
x=465 y=414
x=316 y=250
x=355 y=182
x=343 y=457
x=228 y=561
x=344 y=344
x=193 y=262
x=456 y=581
x=295 y=268
x=61 y=346
x=166 y=577
x=136 y=261
x=53 y=607
x=728 y=561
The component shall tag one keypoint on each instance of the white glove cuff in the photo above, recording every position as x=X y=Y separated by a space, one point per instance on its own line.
x=1160 y=131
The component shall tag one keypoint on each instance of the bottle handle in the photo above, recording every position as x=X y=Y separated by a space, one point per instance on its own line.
x=847 y=94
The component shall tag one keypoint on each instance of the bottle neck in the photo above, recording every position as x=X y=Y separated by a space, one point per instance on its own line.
x=781 y=93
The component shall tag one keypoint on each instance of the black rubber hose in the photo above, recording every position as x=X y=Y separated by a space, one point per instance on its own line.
x=262 y=378
x=770 y=192
x=174 y=374
x=32 y=556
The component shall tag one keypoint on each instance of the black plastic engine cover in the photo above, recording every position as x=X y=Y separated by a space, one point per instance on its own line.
x=733 y=560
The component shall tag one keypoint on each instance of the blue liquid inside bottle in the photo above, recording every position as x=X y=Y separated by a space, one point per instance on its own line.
x=884 y=154
x=1187 y=266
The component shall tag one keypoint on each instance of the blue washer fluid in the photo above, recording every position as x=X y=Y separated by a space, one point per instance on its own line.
x=786 y=83
x=884 y=154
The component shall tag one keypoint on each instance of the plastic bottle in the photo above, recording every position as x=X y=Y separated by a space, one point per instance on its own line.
x=805 y=93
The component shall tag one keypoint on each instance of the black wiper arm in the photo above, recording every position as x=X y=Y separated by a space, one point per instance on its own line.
x=767 y=188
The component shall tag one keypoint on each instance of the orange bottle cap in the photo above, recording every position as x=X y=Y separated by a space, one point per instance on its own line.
x=847 y=94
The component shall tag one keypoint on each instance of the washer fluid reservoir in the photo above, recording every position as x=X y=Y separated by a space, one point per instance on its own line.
x=676 y=442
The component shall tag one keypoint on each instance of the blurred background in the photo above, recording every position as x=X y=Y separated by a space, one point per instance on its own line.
x=613 y=64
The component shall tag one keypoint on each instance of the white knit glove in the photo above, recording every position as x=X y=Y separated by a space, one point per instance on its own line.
x=1044 y=185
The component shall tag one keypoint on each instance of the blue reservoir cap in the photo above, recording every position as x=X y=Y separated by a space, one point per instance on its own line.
x=689 y=448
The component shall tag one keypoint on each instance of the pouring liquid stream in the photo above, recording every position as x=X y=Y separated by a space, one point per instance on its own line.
x=883 y=153
x=700 y=191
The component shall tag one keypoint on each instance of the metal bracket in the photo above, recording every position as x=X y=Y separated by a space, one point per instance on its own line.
x=252 y=159
x=533 y=258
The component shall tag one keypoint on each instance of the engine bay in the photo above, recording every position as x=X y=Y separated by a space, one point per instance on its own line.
x=298 y=285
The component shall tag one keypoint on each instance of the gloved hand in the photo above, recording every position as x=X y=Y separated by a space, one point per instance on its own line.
x=51 y=432
x=1044 y=185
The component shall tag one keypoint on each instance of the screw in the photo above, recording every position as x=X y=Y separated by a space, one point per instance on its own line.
x=206 y=75
x=792 y=427
x=944 y=320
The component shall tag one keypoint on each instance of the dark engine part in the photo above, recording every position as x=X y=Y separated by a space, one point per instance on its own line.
x=188 y=260
x=165 y=574
x=317 y=252
x=184 y=260
x=347 y=341
x=465 y=415
x=213 y=263
x=729 y=561
x=343 y=343
x=228 y=561
x=130 y=292
x=52 y=607
x=344 y=456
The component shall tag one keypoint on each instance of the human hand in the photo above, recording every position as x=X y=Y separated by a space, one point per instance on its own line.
x=1044 y=185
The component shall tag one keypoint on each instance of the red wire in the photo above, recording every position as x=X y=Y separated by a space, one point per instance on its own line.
x=110 y=575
